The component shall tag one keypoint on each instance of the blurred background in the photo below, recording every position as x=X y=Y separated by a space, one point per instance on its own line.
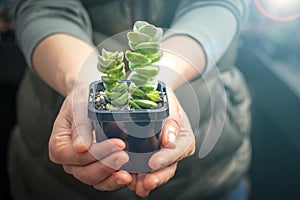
x=269 y=57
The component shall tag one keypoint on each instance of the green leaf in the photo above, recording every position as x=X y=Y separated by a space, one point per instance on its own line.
x=148 y=48
x=154 y=32
x=149 y=71
x=122 y=100
x=154 y=97
x=109 y=87
x=106 y=63
x=112 y=95
x=145 y=103
x=138 y=79
x=158 y=36
x=138 y=24
x=157 y=93
x=131 y=46
x=105 y=53
x=116 y=70
x=135 y=91
x=111 y=107
x=150 y=86
x=137 y=58
x=136 y=38
x=156 y=57
x=109 y=80
x=120 y=87
x=134 y=105
x=120 y=56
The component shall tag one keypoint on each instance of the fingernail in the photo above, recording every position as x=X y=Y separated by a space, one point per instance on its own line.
x=171 y=138
x=156 y=166
x=120 y=161
x=119 y=182
x=156 y=182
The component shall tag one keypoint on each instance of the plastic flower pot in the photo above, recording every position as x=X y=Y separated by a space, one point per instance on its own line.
x=140 y=129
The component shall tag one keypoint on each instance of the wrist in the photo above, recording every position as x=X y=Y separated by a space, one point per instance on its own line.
x=183 y=60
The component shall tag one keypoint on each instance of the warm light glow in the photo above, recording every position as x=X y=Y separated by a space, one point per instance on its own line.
x=285 y=4
x=280 y=10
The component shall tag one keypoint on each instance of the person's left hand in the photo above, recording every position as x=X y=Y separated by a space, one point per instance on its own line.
x=178 y=142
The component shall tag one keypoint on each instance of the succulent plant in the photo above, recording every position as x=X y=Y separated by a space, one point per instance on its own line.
x=112 y=66
x=144 y=40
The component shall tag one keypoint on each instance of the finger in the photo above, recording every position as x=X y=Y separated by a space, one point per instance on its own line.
x=164 y=157
x=132 y=184
x=169 y=133
x=159 y=177
x=140 y=190
x=62 y=152
x=60 y=143
x=98 y=171
x=185 y=146
x=115 y=181
x=82 y=134
x=172 y=123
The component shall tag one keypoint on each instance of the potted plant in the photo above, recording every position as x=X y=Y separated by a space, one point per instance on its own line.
x=132 y=110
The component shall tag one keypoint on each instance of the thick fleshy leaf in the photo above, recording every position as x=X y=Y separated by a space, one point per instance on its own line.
x=121 y=74
x=150 y=30
x=105 y=53
x=154 y=97
x=150 y=86
x=120 y=87
x=149 y=71
x=135 y=91
x=116 y=70
x=109 y=87
x=122 y=100
x=139 y=24
x=132 y=45
x=134 y=105
x=106 y=63
x=148 y=48
x=145 y=103
x=158 y=36
x=111 y=107
x=138 y=79
x=120 y=56
x=137 y=58
x=109 y=80
x=112 y=95
x=100 y=68
x=117 y=56
x=136 y=38
x=156 y=57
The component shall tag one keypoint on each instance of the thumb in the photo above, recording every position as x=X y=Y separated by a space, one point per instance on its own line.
x=172 y=124
x=82 y=136
x=82 y=130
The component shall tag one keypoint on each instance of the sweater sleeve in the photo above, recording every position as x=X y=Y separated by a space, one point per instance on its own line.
x=37 y=19
x=214 y=24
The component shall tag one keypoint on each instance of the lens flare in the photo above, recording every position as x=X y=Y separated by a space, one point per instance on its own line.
x=283 y=7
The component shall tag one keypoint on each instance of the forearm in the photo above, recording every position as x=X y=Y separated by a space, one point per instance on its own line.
x=184 y=59
x=54 y=37
x=58 y=58
x=214 y=24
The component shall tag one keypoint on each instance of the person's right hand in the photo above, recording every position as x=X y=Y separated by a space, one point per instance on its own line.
x=71 y=145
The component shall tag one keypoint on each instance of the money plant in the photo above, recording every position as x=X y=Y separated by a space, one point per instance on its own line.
x=145 y=51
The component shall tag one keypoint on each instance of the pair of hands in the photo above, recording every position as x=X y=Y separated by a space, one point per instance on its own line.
x=72 y=145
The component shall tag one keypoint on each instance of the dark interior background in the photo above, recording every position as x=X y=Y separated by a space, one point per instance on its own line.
x=269 y=51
